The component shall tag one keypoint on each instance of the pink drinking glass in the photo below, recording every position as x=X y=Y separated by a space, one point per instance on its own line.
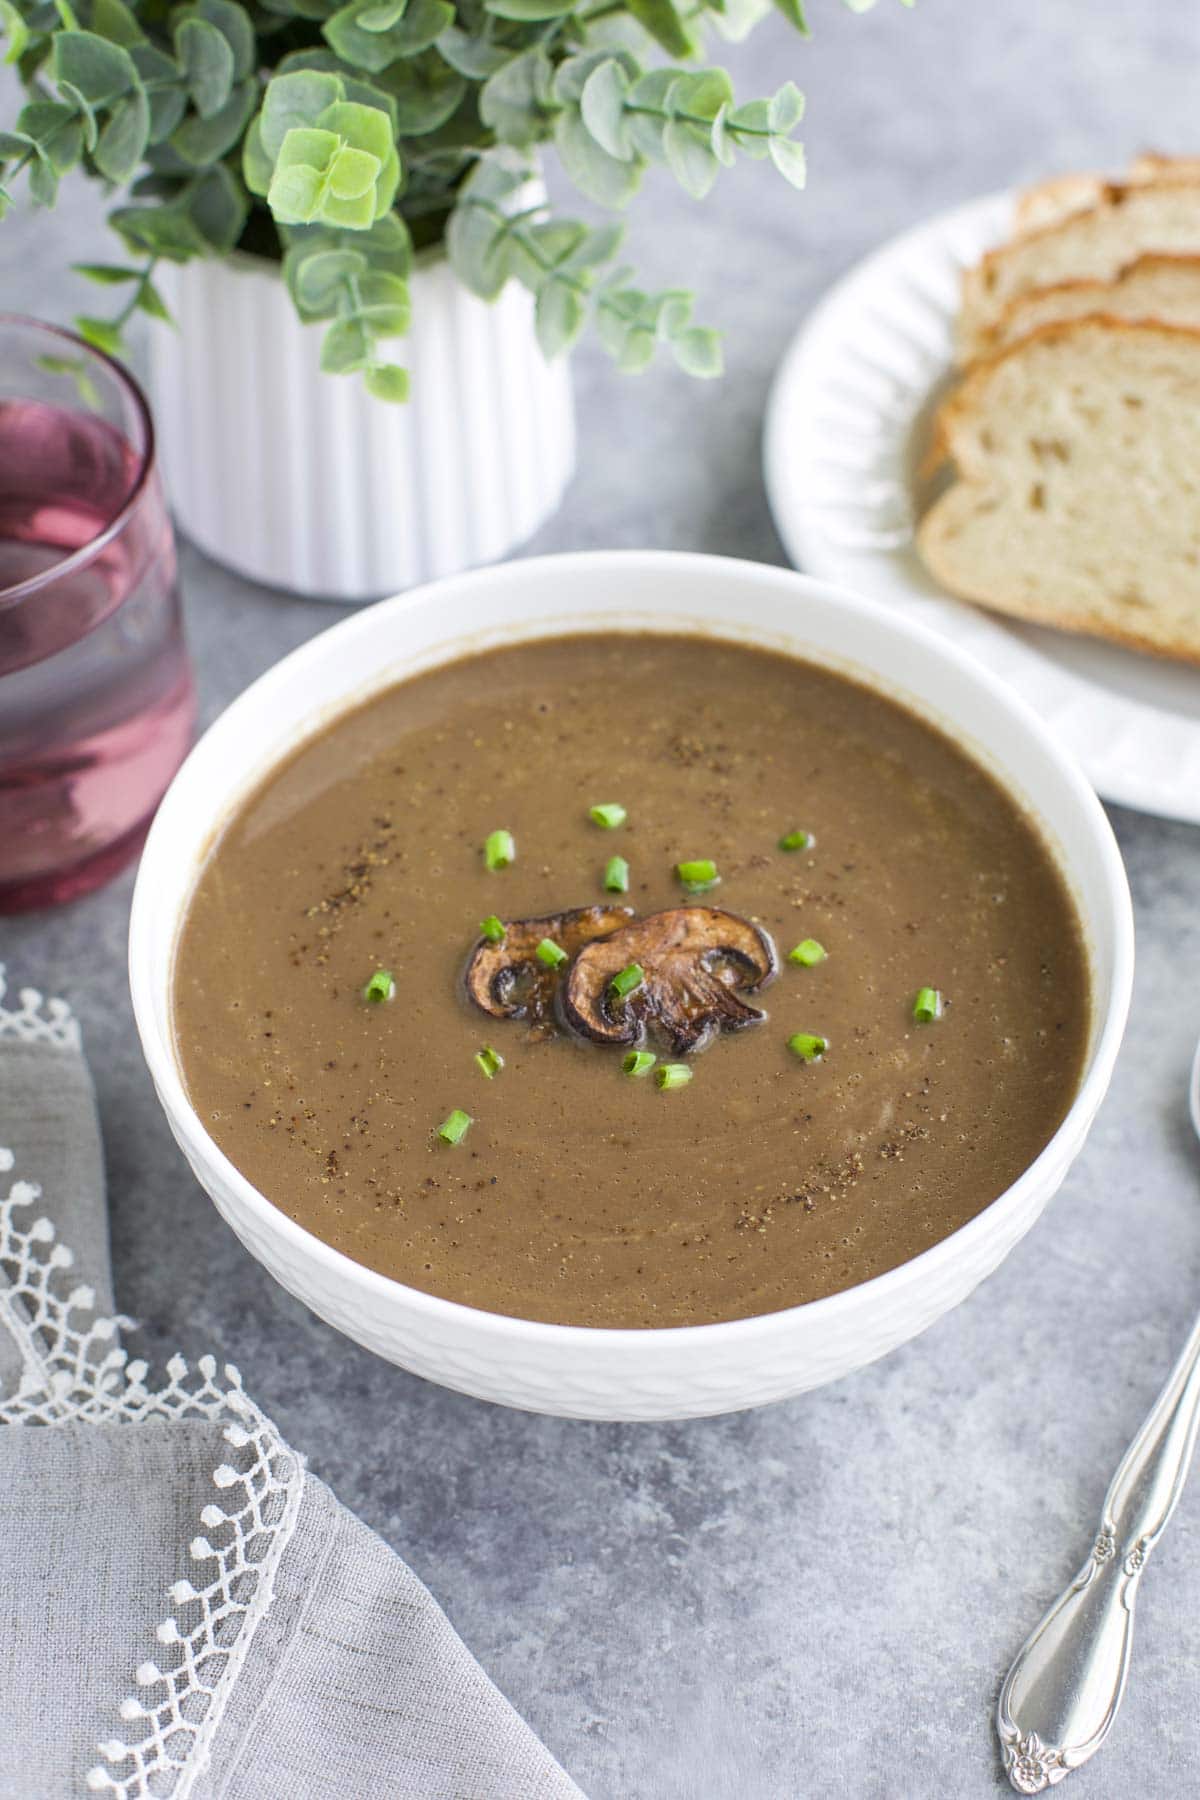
x=96 y=697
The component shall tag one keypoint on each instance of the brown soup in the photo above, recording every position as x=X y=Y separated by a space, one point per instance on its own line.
x=579 y=1193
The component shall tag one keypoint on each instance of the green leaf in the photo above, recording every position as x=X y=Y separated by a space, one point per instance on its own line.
x=422 y=23
x=603 y=106
x=233 y=22
x=113 y=20
x=102 y=72
x=351 y=215
x=388 y=183
x=316 y=279
x=382 y=303
x=83 y=112
x=364 y=127
x=387 y=381
x=67 y=14
x=558 y=316
x=295 y=99
x=217 y=207
x=160 y=77
x=704 y=93
x=14 y=143
x=690 y=157
x=749 y=127
x=164 y=231
x=345 y=347
x=515 y=103
x=361 y=89
x=598 y=245
x=202 y=142
x=738 y=18
x=424 y=94
x=352 y=174
x=43 y=181
x=16 y=31
x=473 y=239
x=529 y=10
x=296 y=194
x=793 y=12
x=257 y=167
x=382 y=17
x=309 y=147
x=122 y=143
x=102 y=334
x=476 y=58
x=150 y=301
x=788 y=157
x=636 y=352
x=106 y=274
x=56 y=132
x=786 y=109
x=206 y=59
x=601 y=177
x=664 y=24
x=698 y=352
x=645 y=128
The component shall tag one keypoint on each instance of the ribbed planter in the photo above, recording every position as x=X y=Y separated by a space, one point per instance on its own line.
x=303 y=481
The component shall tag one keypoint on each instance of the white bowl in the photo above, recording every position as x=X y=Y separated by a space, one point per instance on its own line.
x=584 y=1372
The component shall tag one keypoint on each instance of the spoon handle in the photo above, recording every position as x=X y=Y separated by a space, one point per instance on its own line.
x=1061 y=1696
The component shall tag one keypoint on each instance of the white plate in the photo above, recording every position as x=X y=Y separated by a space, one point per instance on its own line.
x=843 y=432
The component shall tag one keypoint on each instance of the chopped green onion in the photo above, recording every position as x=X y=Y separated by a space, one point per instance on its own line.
x=673 y=1075
x=638 y=1062
x=552 y=954
x=808 y=953
x=455 y=1126
x=807 y=1047
x=382 y=986
x=609 y=816
x=927 y=1006
x=616 y=875
x=500 y=849
x=626 y=981
x=489 y=1061
x=797 y=840
x=699 y=875
x=493 y=929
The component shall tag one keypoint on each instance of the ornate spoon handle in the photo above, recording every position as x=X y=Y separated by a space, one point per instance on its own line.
x=1061 y=1696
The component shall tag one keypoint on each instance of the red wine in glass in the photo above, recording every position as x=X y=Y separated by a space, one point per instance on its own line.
x=96 y=696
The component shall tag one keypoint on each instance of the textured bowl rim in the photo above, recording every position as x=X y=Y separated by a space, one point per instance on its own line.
x=504 y=1329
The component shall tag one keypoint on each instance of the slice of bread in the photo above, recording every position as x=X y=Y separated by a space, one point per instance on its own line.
x=1046 y=202
x=1092 y=245
x=1152 y=165
x=1154 y=286
x=1077 y=498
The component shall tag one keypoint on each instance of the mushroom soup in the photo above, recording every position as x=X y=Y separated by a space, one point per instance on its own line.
x=628 y=980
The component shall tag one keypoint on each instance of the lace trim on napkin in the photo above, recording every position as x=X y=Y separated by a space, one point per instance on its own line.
x=72 y=1370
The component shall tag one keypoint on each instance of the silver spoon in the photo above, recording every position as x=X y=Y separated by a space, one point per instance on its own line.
x=1062 y=1694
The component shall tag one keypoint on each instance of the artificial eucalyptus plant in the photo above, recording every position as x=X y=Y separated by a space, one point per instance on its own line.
x=339 y=136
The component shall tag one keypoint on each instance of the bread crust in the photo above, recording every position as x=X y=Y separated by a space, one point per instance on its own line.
x=979 y=280
x=1147 y=262
x=976 y=378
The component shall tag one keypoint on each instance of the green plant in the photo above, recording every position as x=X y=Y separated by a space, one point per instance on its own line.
x=339 y=134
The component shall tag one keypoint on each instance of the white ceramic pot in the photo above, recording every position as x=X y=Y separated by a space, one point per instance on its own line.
x=301 y=480
x=585 y=1372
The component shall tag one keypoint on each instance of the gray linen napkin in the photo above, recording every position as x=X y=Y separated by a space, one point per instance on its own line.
x=184 y=1610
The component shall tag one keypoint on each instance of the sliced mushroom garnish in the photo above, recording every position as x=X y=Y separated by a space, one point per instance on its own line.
x=693 y=961
x=510 y=981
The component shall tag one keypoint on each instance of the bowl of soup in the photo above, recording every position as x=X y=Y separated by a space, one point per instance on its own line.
x=630 y=985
